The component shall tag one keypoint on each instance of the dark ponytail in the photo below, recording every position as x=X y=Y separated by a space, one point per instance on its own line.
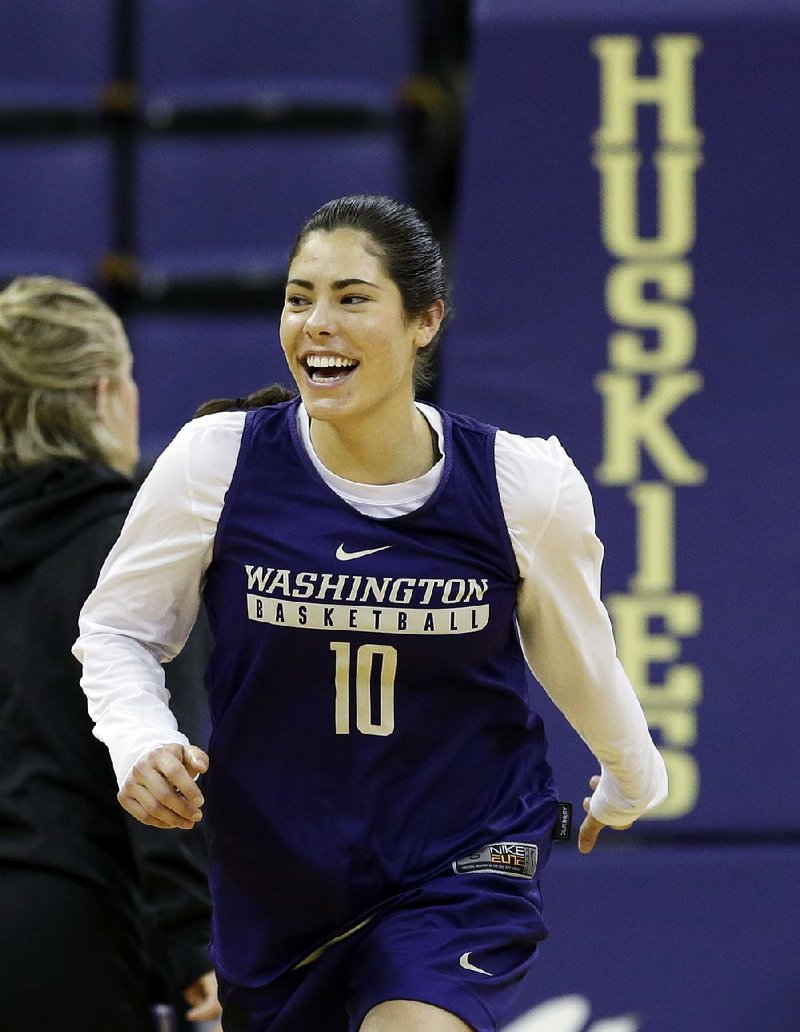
x=269 y=395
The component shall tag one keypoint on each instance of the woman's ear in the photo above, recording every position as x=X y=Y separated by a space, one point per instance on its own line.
x=102 y=396
x=428 y=324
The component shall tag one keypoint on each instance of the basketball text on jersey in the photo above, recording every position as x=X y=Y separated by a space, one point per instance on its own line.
x=319 y=601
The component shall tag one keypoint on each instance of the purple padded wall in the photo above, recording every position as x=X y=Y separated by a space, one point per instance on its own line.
x=231 y=204
x=55 y=55
x=194 y=54
x=55 y=206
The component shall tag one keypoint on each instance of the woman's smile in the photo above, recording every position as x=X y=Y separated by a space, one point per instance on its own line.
x=327 y=370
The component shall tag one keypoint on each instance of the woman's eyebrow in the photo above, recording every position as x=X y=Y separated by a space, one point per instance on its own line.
x=342 y=284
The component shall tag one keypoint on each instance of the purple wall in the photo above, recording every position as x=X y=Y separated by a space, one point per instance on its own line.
x=627 y=265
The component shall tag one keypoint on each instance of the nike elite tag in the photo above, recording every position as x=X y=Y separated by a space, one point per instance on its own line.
x=562 y=829
x=514 y=859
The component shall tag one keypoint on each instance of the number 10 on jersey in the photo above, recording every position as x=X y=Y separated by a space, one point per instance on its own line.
x=374 y=710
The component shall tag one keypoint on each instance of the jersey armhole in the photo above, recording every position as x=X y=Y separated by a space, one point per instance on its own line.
x=244 y=442
x=494 y=488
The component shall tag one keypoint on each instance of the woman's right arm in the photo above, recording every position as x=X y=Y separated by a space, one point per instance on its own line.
x=141 y=612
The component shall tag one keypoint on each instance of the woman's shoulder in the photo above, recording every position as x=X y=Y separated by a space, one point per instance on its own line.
x=217 y=424
x=514 y=446
x=199 y=459
x=545 y=455
x=532 y=474
x=208 y=439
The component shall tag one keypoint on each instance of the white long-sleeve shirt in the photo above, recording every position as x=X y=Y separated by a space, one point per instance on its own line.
x=148 y=595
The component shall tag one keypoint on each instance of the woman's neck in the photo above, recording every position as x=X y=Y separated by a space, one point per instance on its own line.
x=378 y=456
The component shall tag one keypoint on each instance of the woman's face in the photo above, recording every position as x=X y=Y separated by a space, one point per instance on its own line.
x=344 y=331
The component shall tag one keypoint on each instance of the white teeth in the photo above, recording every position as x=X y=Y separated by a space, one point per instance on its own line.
x=328 y=362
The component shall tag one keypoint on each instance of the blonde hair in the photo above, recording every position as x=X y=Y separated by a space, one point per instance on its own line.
x=57 y=339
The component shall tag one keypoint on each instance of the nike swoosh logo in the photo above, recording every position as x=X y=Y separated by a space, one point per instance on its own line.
x=344 y=555
x=464 y=962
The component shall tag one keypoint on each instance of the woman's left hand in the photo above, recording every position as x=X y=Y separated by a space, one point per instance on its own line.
x=203 y=999
x=590 y=828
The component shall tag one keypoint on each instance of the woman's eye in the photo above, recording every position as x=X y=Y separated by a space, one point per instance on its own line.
x=353 y=299
x=295 y=300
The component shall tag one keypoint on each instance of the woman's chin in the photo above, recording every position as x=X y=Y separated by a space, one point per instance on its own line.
x=326 y=406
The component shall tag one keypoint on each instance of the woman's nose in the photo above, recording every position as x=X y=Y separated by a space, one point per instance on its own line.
x=319 y=321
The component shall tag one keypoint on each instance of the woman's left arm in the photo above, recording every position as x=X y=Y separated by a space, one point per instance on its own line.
x=566 y=631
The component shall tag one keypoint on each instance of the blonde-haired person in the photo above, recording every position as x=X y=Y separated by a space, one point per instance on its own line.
x=65 y=378
x=84 y=895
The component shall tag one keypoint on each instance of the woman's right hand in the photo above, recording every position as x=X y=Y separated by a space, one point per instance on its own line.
x=161 y=790
x=591 y=827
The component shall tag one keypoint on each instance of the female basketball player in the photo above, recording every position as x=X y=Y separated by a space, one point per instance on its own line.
x=377 y=574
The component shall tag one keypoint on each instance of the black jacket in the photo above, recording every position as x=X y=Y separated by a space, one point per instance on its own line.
x=58 y=805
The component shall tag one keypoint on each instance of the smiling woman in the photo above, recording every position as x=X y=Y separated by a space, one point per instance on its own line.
x=408 y=253
x=356 y=329
x=377 y=790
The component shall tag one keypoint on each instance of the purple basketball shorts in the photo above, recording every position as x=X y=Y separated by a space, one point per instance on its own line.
x=461 y=941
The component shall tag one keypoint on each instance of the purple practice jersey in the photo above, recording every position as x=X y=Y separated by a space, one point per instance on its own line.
x=371 y=719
